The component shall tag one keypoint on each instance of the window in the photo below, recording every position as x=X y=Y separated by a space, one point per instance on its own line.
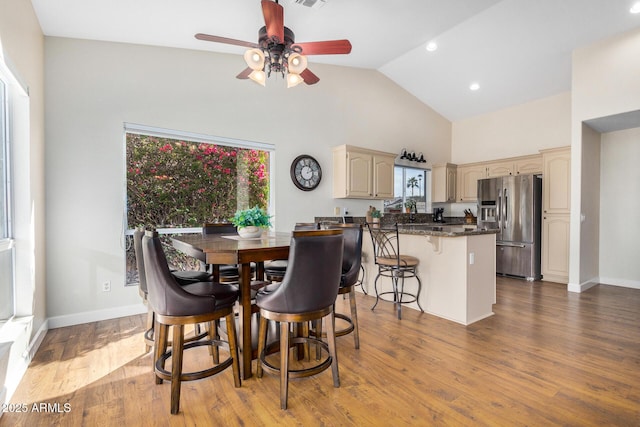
x=6 y=233
x=178 y=181
x=410 y=185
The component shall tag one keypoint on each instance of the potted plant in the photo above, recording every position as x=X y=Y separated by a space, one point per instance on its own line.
x=410 y=205
x=251 y=222
x=375 y=216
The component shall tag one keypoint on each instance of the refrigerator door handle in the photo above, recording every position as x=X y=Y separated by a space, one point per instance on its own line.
x=506 y=210
x=511 y=245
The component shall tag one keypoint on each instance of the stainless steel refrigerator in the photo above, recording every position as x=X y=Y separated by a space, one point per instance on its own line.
x=512 y=204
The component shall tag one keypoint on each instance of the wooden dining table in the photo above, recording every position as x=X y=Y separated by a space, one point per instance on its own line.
x=220 y=249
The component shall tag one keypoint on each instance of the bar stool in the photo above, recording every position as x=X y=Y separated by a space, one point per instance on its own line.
x=274 y=270
x=391 y=263
x=307 y=293
x=183 y=278
x=350 y=278
x=174 y=306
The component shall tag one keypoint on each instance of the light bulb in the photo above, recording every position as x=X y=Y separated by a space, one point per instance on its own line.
x=293 y=80
x=258 y=76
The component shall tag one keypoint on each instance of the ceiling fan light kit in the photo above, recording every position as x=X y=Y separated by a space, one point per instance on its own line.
x=277 y=52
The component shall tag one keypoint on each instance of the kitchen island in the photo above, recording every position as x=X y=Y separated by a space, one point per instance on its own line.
x=457 y=269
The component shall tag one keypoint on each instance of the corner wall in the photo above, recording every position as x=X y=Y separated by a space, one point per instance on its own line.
x=604 y=82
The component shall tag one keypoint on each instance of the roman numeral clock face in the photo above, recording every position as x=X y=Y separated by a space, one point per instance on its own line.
x=306 y=172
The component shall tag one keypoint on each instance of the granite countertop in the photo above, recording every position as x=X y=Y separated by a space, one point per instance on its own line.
x=443 y=230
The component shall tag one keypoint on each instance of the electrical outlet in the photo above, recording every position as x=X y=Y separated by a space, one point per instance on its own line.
x=472 y=258
x=106 y=286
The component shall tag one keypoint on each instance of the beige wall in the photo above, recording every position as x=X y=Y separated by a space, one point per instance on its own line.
x=619 y=207
x=604 y=82
x=515 y=131
x=93 y=87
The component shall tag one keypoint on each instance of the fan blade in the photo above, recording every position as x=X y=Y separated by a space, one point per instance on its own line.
x=308 y=77
x=244 y=74
x=273 y=19
x=218 y=39
x=329 y=47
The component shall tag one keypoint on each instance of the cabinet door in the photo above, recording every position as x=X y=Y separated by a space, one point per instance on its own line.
x=452 y=178
x=495 y=169
x=467 y=182
x=555 y=248
x=443 y=183
x=557 y=182
x=359 y=175
x=383 y=177
x=528 y=165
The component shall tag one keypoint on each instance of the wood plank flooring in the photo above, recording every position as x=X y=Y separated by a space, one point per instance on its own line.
x=547 y=357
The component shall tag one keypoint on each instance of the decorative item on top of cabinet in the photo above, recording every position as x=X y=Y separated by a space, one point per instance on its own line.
x=360 y=173
x=443 y=183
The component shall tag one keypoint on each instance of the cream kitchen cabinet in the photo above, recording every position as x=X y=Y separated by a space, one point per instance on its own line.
x=555 y=248
x=556 y=181
x=467 y=181
x=360 y=173
x=556 y=207
x=443 y=183
x=528 y=164
x=500 y=168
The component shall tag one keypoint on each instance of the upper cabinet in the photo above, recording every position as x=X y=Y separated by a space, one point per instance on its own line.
x=360 y=173
x=528 y=164
x=469 y=174
x=500 y=168
x=443 y=183
x=467 y=181
x=556 y=180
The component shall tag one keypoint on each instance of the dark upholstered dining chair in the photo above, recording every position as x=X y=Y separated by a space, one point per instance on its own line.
x=395 y=265
x=274 y=270
x=183 y=278
x=351 y=265
x=307 y=293
x=177 y=306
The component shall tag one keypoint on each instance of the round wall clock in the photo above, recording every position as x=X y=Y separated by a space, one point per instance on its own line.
x=306 y=172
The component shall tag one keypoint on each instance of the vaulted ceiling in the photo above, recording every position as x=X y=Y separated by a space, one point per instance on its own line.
x=515 y=50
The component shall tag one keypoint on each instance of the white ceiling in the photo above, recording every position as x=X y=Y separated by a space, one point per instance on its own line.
x=517 y=50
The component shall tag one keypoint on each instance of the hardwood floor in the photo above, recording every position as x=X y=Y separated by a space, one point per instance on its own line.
x=547 y=357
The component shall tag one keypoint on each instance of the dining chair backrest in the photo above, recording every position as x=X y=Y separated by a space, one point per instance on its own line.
x=307 y=226
x=352 y=254
x=312 y=278
x=218 y=228
x=385 y=243
x=166 y=296
x=137 y=249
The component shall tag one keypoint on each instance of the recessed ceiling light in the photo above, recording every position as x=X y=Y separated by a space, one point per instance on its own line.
x=474 y=86
x=635 y=8
x=431 y=46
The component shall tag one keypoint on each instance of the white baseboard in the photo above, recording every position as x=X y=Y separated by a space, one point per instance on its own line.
x=96 y=316
x=625 y=283
x=574 y=287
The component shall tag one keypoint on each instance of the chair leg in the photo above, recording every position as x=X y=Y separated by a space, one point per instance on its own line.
x=318 y=334
x=354 y=316
x=160 y=346
x=262 y=343
x=375 y=288
x=214 y=351
x=419 y=289
x=176 y=367
x=233 y=348
x=331 y=339
x=149 y=329
x=284 y=364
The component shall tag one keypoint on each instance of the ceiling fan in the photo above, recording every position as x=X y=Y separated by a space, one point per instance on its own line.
x=277 y=51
